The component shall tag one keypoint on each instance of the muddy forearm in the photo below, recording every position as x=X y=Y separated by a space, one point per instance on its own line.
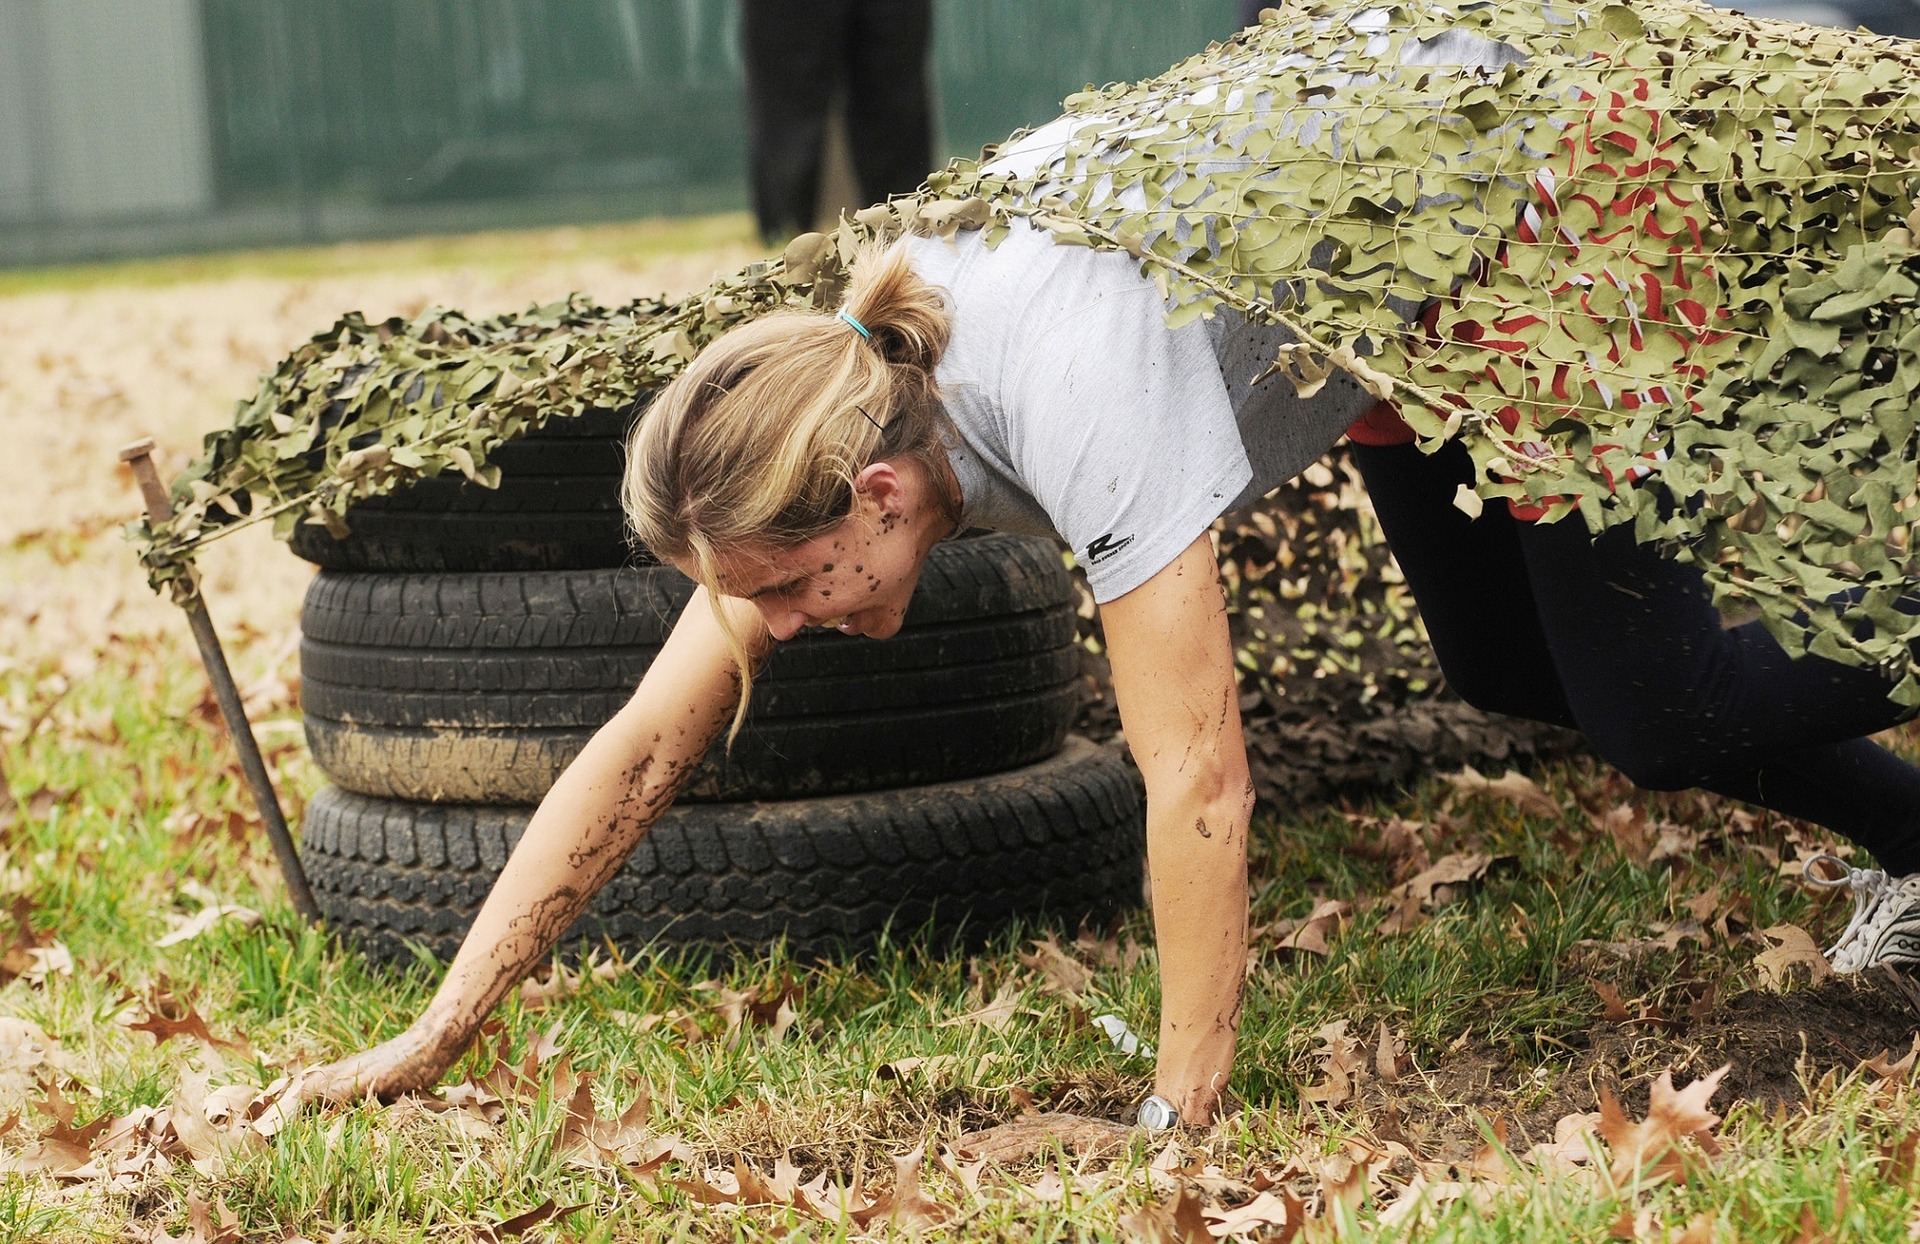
x=577 y=840
x=1197 y=857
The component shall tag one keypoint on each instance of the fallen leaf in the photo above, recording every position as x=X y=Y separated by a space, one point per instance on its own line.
x=1789 y=946
x=1886 y=1068
x=1060 y=972
x=1309 y=936
x=189 y=928
x=1268 y=1216
x=1389 y=1053
x=562 y=982
x=1435 y=887
x=521 y=1223
x=1650 y=1149
x=201 y=1226
x=168 y=1018
x=1030 y=1134
x=995 y=1015
x=907 y=1207
x=1515 y=787
x=1181 y=1221
x=1613 y=1008
x=44 y=962
x=1343 y=1063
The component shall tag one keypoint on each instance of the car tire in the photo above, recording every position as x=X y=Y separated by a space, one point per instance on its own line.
x=481 y=688
x=1061 y=840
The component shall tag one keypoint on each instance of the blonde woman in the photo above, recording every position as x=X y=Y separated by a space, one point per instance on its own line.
x=801 y=468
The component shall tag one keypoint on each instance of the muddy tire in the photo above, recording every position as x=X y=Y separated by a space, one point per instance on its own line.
x=1058 y=841
x=481 y=688
x=557 y=508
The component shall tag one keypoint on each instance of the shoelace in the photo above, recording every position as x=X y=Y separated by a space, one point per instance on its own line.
x=1877 y=903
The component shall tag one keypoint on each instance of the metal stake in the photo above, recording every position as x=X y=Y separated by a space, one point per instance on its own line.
x=139 y=456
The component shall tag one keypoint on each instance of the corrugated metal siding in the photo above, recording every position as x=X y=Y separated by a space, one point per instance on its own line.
x=139 y=126
x=107 y=109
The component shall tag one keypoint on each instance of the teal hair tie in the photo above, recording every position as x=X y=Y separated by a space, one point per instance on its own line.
x=857 y=326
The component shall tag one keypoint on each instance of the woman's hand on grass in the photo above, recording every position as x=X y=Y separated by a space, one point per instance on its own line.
x=409 y=1063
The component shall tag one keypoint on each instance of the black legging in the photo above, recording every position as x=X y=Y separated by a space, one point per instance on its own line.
x=1541 y=620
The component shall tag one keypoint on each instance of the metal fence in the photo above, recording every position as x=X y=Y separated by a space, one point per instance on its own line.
x=147 y=126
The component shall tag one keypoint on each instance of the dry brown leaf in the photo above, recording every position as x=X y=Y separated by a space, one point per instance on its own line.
x=995 y=1015
x=1626 y=824
x=1343 y=1063
x=537 y=992
x=202 y=1227
x=1650 y=1149
x=1308 y=936
x=1109 y=951
x=1419 y=1197
x=1789 y=946
x=1181 y=1221
x=907 y=1207
x=624 y=1141
x=1884 y=1066
x=519 y=1224
x=1389 y=1053
x=1513 y=786
x=1572 y=1144
x=1613 y=1008
x=1060 y=973
x=1343 y=1182
x=1491 y=1160
x=186 y=929
x=1435 y=887
x=1902 y=1159
x=1031 y=1134
x=769 y=1008
x=168 y=1018
x=1268 y=1217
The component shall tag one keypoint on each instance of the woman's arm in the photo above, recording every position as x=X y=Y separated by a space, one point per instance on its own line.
x=1173 y=677
x=578 y=838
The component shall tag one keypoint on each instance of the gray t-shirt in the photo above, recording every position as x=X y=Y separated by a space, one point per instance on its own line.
x=1082 y=415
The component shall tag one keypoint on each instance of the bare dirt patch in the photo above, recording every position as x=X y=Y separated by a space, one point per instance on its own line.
x=1775 y=1043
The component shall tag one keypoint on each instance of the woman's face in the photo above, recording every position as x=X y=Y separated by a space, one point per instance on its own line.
x=856 y=578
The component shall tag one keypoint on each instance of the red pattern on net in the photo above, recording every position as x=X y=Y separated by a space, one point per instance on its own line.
x=1601 y=157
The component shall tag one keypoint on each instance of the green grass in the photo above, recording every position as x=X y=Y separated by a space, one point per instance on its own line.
x=489 y=250
x=129 y=757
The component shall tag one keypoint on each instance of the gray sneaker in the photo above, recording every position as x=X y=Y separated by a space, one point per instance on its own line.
x=1886 y=916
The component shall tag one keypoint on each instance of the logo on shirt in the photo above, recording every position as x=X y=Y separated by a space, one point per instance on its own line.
x=1105 y=546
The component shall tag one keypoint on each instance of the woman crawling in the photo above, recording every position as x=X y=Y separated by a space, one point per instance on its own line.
x=1594 y=365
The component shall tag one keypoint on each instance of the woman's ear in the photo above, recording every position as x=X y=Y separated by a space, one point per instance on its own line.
x=882 y=484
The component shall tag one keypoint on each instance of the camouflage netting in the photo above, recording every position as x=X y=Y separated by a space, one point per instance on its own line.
x=1674 y=243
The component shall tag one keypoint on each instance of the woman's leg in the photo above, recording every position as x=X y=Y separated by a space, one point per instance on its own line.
x=1470 y=579
x=1674 y=698
x=1542 y=621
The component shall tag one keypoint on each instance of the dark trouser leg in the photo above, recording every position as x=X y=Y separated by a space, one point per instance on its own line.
x=793 y=65
x=889 y=97
x=1470 y=580
x=1676 y=699
x=1646 y=668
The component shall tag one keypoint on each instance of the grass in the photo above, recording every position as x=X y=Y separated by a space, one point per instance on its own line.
x=131 y=815
x=129 y=751
x=490 y=249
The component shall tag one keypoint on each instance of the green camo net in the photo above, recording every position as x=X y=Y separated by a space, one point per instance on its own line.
x=1673 y=245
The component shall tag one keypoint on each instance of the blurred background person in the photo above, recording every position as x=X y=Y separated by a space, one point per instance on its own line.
x=868 y=56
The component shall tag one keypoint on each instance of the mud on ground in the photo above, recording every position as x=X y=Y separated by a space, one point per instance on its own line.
x=1776 y=1043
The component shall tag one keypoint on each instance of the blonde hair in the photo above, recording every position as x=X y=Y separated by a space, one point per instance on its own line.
x=758 y=442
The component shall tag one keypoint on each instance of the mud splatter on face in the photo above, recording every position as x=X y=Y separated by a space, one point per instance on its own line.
x=1200 y=827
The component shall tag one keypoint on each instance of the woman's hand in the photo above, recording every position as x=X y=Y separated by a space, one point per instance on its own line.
x=1173 y=677
x=578 y=838
x=412 y=1062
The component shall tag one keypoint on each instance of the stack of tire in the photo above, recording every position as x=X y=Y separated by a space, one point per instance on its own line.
x=463 y=643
